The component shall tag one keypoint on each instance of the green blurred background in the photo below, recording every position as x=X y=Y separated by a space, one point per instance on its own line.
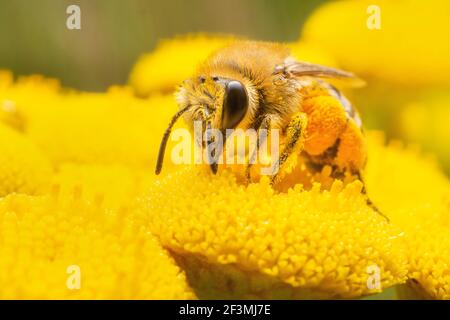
x=34 y=37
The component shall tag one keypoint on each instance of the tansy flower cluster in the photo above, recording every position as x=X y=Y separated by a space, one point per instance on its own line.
x=237 y=242
x=77 y=190
x=44 y=236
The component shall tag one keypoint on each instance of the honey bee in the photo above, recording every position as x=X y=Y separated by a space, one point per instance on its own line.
x=259 y=85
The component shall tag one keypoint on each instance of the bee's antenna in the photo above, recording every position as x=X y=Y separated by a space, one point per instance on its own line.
x=162 y=146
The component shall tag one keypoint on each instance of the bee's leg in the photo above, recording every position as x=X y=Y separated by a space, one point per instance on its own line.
x=295 y=133
x=368 y=200
x=266 y=125
x=213 y=155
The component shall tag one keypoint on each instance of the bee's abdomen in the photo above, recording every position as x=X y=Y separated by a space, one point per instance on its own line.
x=333 y=134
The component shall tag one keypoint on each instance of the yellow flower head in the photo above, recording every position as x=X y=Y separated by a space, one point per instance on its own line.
x=63 y=246
x=21 y=99
x=311 y=53
x=116 y=185
x=425 y=121
x=10 y=115
x=172 y=62
x=406 y=46
x=91 y=128
x=429 y=256
x=243 y=242
x=102 y=128
x=421 y=208
x=23 y=168
x=6 y=78
x=240 y=242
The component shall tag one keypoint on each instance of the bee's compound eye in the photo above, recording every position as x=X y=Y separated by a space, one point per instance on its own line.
x=235 y=104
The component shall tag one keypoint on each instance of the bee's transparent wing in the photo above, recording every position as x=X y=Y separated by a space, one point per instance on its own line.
x=305 y=69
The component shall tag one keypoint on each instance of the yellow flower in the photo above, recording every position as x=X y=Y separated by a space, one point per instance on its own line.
x=425 y=121
x=91 y=128
x=102 y=128
x=243 y=242
x=33 y=85
x=6 y=78
x=429 y=257
x=88 y=221
x=115 y=185
x=408 y=49
x=21 y=99
x=63 y=246
x=421 y=208
x=172 y=62
x=307 y=52
x=8 y=110
x=10 y=116
x=23 y=168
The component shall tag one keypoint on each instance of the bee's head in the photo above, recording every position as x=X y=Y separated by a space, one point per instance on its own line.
x=218 y=102
x=222 y=101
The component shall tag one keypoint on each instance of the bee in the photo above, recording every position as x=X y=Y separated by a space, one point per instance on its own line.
x=259 y=85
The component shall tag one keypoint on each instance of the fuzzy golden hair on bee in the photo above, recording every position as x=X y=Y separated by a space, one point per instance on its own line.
x=258 y=85
x=245 y=85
